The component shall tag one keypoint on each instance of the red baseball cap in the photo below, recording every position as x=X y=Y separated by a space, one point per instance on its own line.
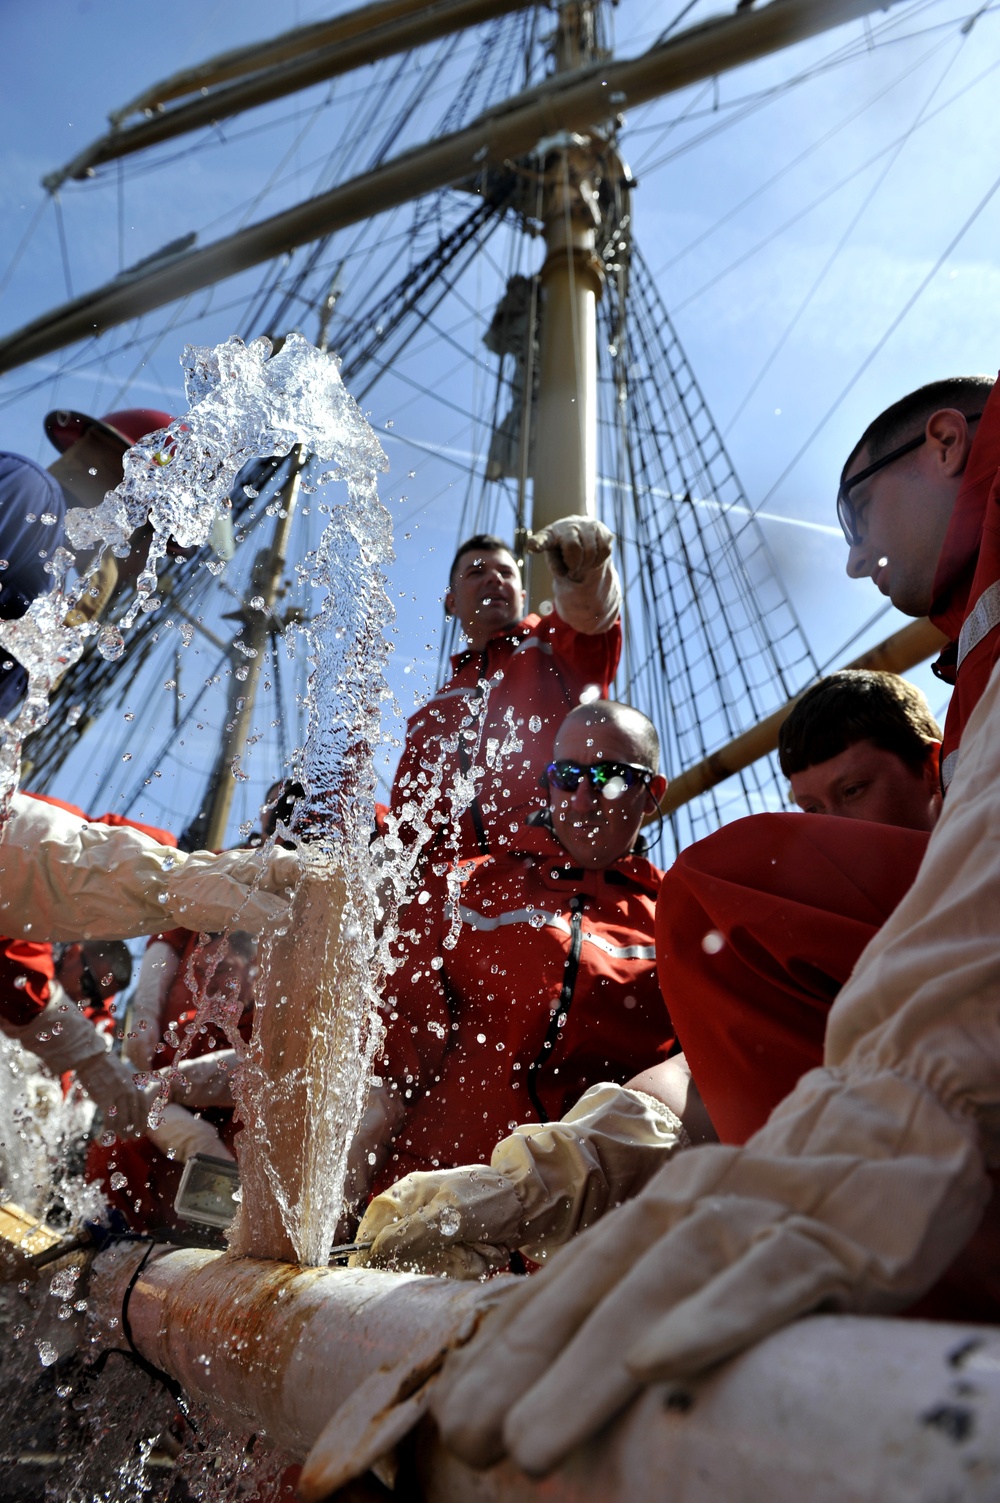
x=132 y=423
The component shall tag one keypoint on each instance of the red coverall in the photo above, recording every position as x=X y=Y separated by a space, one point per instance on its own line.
x=147 y=1197
x=537 y=670
x=549 y=988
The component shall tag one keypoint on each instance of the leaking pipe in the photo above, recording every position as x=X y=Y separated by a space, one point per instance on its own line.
x=336 y=1364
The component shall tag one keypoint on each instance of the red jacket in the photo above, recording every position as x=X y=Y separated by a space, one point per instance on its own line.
x=26 y=966
x=499 y=711
x=547 y=986
x=966 y=598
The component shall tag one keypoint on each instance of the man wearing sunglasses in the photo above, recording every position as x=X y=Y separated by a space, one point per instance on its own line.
x=527 y=976
x=468 y=776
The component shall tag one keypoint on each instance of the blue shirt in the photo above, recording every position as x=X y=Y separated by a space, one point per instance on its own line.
x=27 y=494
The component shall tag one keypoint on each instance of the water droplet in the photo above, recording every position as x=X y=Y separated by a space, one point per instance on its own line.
x=47 y=1354
x=118 y=1181
x=48 y=519
x=535 y=724
x=589 y=693
x=480 y=1038
x=450 y=1222
x=111 y=644
x=712 y=942
x=258 y=603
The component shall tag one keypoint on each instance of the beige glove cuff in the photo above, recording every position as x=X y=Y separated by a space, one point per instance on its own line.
x=61 y=1036
x=604 y=1150
x=591 y=604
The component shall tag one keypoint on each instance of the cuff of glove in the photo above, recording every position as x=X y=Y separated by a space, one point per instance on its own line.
x=590 y=604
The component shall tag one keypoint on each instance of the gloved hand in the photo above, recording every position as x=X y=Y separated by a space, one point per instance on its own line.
x=180 y=1134
x=857 y=1194
x=585 y=587
x=546 y=1182
x=63 y=1038
x=64 y=878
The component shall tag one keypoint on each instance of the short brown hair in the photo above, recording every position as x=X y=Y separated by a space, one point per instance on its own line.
x=907 y=417
x=857 y=704
x=480 y=542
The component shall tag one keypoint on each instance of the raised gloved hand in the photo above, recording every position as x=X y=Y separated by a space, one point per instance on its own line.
x=180 y=1134
x=545 y=1183
x=857 y=1194
x=64 y=878
x=64 y=1039
x=585 y=586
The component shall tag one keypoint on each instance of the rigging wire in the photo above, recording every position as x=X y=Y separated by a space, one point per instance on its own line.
x=883 y=341
x=827 y=194
x=834 y=255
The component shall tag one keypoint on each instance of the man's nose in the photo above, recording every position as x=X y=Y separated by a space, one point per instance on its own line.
x=584 y=796
x=857 y=561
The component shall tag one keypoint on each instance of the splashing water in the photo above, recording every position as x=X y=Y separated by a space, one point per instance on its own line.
x=244 y=404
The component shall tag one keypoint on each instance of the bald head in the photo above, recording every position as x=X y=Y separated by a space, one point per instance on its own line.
x=627 y=722
x=599 y=824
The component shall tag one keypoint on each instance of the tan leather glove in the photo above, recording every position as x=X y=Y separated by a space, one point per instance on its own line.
x=546 y=1182
x=63 y=1038
x=586 y=591
x=857 y=1194
x=64 y=878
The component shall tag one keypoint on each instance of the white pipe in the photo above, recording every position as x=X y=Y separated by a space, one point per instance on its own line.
x=834 y=1409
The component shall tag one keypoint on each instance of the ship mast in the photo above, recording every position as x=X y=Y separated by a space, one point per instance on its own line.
x=572 y=277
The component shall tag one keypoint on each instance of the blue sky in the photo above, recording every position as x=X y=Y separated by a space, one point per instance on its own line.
x=789 y=228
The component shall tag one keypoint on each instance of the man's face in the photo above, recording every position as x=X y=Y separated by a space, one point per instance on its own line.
x=98 y=452
x=903 y=512
x=595 y=829
x=867 y=782
x=485 y=594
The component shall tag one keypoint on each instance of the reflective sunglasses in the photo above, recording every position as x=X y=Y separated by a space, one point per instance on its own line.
x=569 y=775
x=846 y=515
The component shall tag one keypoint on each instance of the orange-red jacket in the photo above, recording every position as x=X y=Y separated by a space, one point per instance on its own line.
x=547 y=986
x=515 y=693
x=966 y=595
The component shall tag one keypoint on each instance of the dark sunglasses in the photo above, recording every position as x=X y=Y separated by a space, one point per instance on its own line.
x=846 y=515
x=569 y=775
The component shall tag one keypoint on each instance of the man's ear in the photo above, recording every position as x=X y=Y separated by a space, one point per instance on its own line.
x=949 y=440
x=932 y=767
x=656 y=790
x=449 y=604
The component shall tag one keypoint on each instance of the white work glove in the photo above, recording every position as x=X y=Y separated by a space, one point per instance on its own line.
x=546 y=1182
x=160 y=965
x=586 y=591
x=63 y=1038
x=180 y=1134
x=205 y=1081
x=64 y=878
x=857 y=1194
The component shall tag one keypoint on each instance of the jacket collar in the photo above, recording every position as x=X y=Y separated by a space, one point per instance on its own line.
x=511 y=635
x=536 y=838
x=957 y=564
